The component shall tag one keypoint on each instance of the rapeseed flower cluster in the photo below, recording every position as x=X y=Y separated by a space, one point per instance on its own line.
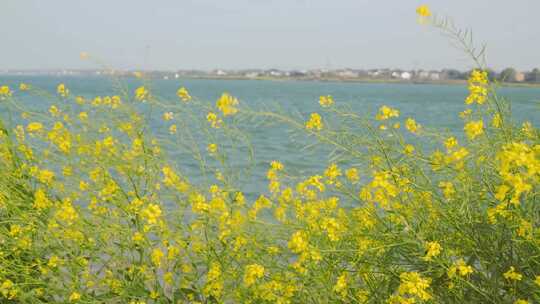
x=478 y=90
x=95 y=207
x=5 y=92
x=183 y=94
x=326 y=101
x=315 y=122
x=227 y=104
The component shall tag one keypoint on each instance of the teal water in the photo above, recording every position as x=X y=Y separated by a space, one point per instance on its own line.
x=435 y=106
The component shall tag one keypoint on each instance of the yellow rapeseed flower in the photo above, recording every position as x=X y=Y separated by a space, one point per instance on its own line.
x=423 y=11
x=298 y=242
x=62 y=90
x=75 y=296
x=276 y=165
x=460 y=268
x=168 y=277
x=80 y=100
x=214 y=284
x=474 y=129
x=5 y=92
x=137 y=237
x=501 y=192
x=40 y=200
x=450 y=143
x=141 y=93
x=8 y=290
x=478 y=92
x=252 y=273
x=479 y=77
x=83 y=116
x=54 y=261
x=183 y=94
x=352 y=175
x=447 y=189
x=413 y=284
x=45 y=176
x=341 y=285
x=315 y=122
x=409 y=149
x=412 y=125
x=326 y=101
x=83 y=186
x=214 y=120
x=67 y=212
x=332 y=172
x=168 y=116
x=212 y=148
x=227 y=104
x=24 y=87
x=151 y=214
x=386 y=112
x=54 y=111
x=157 y=256
x=512 y=274
x=34 y=127
x=433 y=249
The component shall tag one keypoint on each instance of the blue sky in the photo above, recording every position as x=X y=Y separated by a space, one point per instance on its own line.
x=206 y=34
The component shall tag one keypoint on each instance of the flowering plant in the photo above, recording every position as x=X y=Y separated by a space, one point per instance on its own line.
x=94 y=210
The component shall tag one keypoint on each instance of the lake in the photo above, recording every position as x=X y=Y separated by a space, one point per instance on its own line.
x=435 y=106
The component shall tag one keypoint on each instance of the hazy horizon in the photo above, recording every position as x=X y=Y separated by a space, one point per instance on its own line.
x=209 y=70
x=243 y=34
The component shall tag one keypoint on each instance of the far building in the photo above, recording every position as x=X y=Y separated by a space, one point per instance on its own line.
x=520 y=77
x=435 y=76
x=252 y=74
x=422 y=75
x=275 y=73
x=347 y=73
x=406 y=76
x=221 y=73
x=298 y=73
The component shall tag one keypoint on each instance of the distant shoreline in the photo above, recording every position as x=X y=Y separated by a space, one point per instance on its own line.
x=455 y=82
x=360 y=80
